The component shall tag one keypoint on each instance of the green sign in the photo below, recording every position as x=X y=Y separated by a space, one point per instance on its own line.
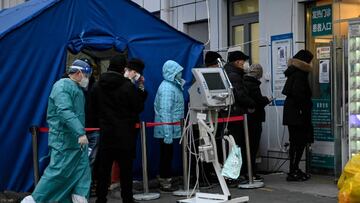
x=321 y=120
x=321 y=20
x=322 y=161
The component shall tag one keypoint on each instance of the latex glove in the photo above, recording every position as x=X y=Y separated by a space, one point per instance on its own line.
x=83 y=140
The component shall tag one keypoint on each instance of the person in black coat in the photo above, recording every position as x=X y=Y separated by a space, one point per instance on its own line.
x=235 y=71
x=118 y=101
x=297 y=111
x=255 y=119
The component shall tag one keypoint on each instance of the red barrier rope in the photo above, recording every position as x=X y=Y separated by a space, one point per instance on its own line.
x=153 y=124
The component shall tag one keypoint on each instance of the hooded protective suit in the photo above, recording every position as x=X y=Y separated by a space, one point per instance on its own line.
x=169 y=102
x=68 y=172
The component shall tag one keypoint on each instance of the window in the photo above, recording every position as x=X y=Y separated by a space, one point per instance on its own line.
x=244 y=7
x=244 y=26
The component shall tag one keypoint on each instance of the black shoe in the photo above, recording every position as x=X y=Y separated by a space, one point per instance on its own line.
x=293 y=176
x=304 y=176
x=258 y=178
x=168 y=189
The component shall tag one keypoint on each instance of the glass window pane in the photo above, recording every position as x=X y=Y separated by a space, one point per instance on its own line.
x=238 y=35
x=245 y=6
x=255 y=42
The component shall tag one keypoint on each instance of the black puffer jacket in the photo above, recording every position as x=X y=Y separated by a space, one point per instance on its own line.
x=253 y=86
x=116 y=105
x=298 y=104
x=241 y=94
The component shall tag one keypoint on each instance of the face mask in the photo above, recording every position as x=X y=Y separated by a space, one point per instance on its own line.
x=126 y=74
x=246 y=66
x=84 y=82
x=137 y=76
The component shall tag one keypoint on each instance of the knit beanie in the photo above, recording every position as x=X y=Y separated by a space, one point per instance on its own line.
x=304 y=55
x=136 y=65
x=255 y=71
x=237 y=55
x=118 y=63
x=211 y=58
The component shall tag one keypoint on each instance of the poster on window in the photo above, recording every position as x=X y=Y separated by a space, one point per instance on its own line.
x=281 y=52
x=324 y=76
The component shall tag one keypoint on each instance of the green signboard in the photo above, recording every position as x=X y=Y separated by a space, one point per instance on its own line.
x=321 y=120
x=323 y=147
x=321 y=20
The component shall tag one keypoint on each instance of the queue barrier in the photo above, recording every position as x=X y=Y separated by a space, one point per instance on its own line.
x=35 y=130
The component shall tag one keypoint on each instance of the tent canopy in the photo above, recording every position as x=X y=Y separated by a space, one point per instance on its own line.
x=34 y=39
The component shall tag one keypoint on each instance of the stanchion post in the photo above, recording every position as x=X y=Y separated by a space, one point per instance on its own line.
x=184 y=143
x=34 y=134
x=184 y=157
x=146 y=195
x=251 y=183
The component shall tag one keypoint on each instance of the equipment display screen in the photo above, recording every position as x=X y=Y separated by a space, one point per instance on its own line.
x=214 y=81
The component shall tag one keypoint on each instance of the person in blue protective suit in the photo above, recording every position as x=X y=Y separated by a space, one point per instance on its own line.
x=67 y=178
x=169 y=107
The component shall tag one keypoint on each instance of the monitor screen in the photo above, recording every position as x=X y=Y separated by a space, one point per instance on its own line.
x=214 y=81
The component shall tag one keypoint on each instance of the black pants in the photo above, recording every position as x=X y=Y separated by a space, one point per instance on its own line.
x=298 y=141
x=105 y=160
x=237 y=131
x=166 y=157
x=255 y=129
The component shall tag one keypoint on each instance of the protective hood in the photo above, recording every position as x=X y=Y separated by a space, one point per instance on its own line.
x=170 y=70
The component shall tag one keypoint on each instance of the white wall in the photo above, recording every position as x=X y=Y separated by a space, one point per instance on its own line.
x=9 y=3
x=182 y=13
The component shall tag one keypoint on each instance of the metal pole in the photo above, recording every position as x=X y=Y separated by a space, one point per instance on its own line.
x=251 y=183
x=185 y=190
x=248 y=155
x=34 y=134
x=144 y=158
x=184 y=157
x=146 y=195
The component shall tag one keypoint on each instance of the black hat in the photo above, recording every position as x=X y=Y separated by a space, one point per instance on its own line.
x=304 y=55
x=136 y=65
x=117 y=63
x=237 y=55
x=211 y=58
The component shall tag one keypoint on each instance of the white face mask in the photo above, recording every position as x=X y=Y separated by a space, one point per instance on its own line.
x=246 y=66
x=137 y=76
x=126 y=74
x=84 y=82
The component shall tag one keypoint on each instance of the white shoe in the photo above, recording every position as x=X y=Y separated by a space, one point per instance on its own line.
x=78 y=199
x=28 y=199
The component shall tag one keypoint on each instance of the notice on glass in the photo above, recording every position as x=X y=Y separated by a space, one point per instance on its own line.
x=324 y=71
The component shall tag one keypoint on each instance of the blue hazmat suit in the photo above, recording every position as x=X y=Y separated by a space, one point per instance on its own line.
x=68 y=172
x=169 y=103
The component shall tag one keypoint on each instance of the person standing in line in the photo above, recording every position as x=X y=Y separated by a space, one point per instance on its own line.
x=297 y=111
x=235 y=70
x=117 y=100
x=255 y=119
x=67 y=178
x=169 y=107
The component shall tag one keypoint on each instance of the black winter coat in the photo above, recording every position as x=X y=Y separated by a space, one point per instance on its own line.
x=116 y=104
x=241 y=94
x=253 y=86
x=298 y=104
